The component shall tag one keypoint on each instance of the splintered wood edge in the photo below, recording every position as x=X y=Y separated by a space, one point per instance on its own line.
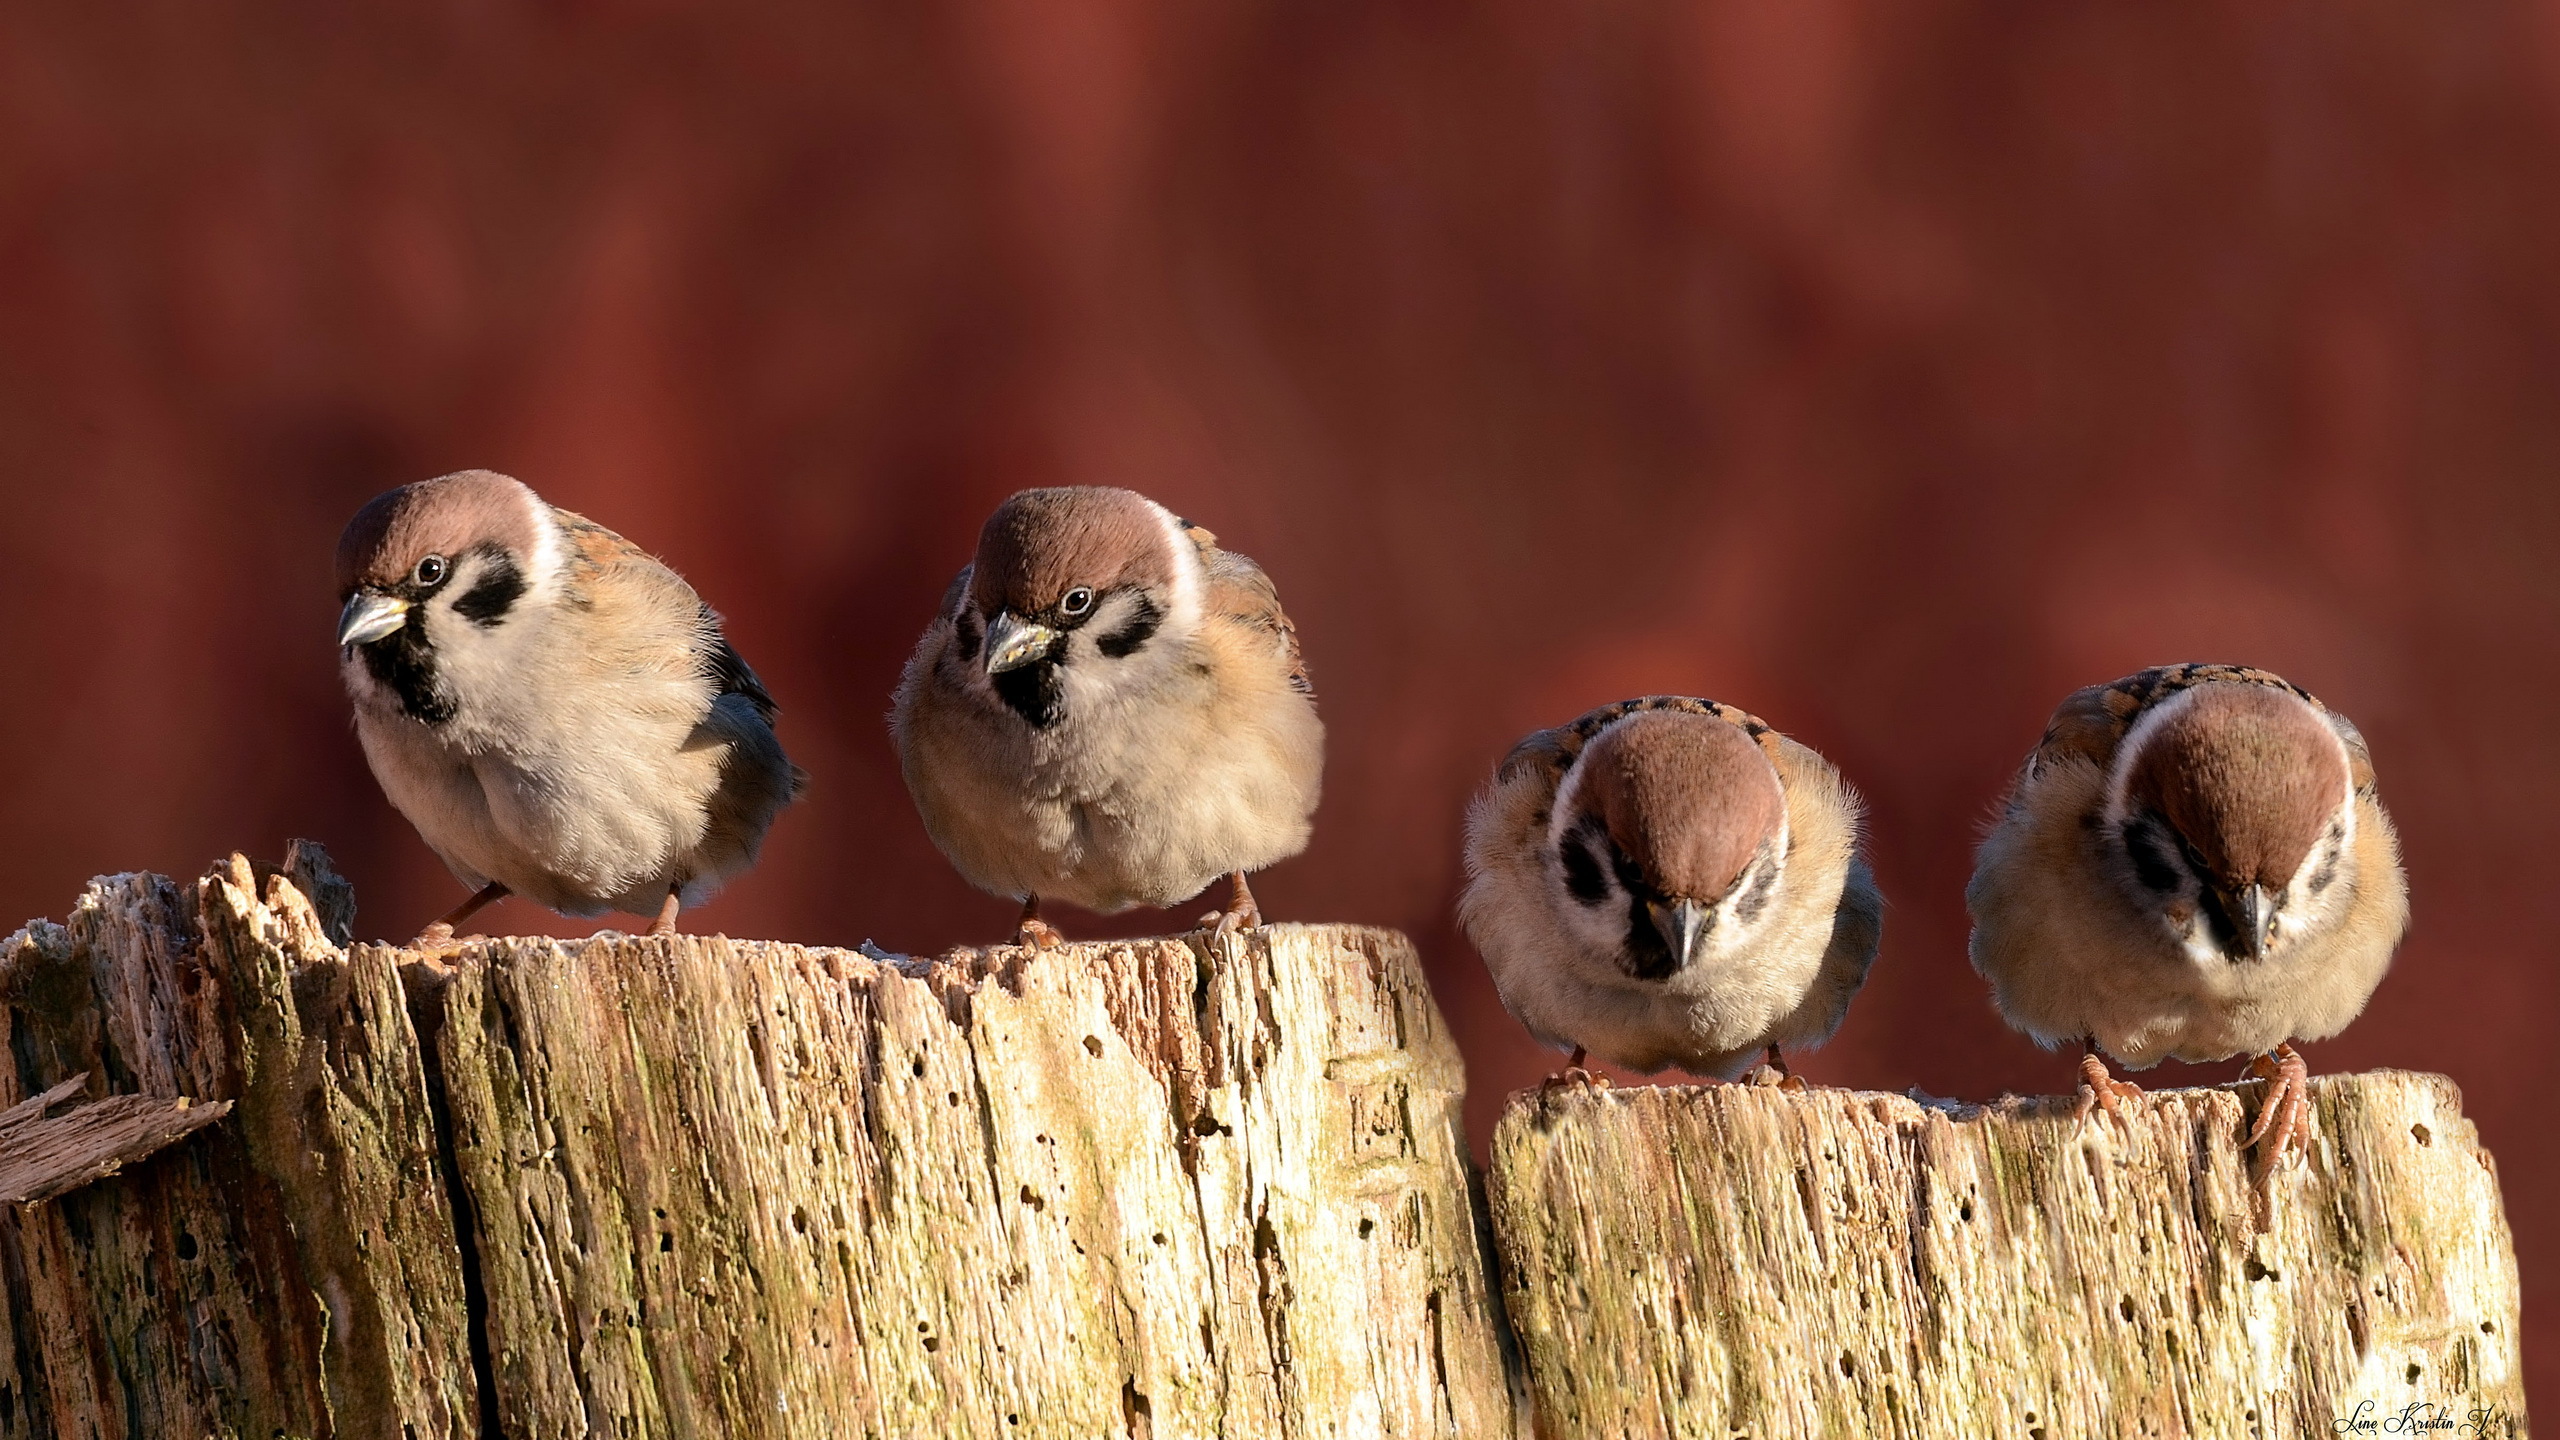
x=52 y=1154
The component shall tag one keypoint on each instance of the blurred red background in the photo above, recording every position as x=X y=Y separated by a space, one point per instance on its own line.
x=1889 y=371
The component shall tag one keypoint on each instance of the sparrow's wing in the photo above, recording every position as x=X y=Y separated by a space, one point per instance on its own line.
x=616 y=573
x=1240 y=590
x=730 y=671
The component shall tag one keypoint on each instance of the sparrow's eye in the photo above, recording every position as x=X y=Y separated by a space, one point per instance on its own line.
x=430 y=571
x=1078 y=601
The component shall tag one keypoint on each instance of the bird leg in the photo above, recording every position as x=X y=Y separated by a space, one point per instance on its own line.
x=1573 y=1074
x=2284 y=1122
x=441 y=932
x=1241 y=913
x=2100 y=1090
x=665 y=924
x=1775 y=1072
x=1034 y=932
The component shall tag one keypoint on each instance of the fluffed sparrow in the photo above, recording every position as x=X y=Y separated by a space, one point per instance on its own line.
x=1109 y=710
x=2192 y=863
x=556 y=712
x=1668 y=881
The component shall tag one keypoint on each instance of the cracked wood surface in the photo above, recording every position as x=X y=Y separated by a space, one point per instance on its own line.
x=1733 y=1260
x=1149 y=1188
x=58 y=1141
x=696 y=1187
x=289 y=1271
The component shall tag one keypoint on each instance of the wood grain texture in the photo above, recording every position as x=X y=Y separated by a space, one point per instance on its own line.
x=286 y=1272
x=695 y=1187
x=56 y=1143
x=1734 y=1260
x=1146 y=1189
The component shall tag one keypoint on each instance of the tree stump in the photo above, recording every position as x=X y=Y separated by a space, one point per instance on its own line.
x=1736 y=1260
x=691 y=1186
x=699 y=1187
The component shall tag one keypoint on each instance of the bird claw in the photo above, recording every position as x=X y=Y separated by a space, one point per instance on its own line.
x=2102 y=1091
x=1573 y=1077
x=1222 y=923
x=1241 y=912
x=2283 y=1126
x=1038 y=934
x=1770 y=1077
x=1775 y=1071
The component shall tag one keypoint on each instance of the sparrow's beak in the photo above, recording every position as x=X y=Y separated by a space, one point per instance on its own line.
x=1683 y=924
x=2253 y=915
x=1013 y=643
x=369 y=616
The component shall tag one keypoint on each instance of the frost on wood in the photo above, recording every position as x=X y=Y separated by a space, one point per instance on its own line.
x=690 y=1186
x=1740 y=1261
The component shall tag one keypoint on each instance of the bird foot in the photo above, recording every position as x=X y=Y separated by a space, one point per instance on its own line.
x=1222 y=923
x=1573 y=1077
x=438 y=934
x=1038 y=934
x=665 y=924
x=1241 y=913
x=1767 y=1076
x=2284 y=1123
x=1776 y=1071
x=2102 y=1091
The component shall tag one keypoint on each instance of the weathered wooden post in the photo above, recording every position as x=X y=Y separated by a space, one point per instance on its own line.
x=1735 y=1260
x=697 y=1187
x=703 y=1187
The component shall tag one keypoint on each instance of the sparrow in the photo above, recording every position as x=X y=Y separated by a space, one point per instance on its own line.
x=1109 y=710
x=556 y=712
x=1669 y=881
x=2194 y=862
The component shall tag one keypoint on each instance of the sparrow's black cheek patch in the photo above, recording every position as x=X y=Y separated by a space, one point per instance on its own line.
x=495 y=593
x=1124 y=642
x=2150 y=865
x=965 y=634
x=401 y=663
x=1581 y=872
x=1031 y=691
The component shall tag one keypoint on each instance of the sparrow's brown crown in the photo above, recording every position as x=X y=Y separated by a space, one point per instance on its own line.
x=446 y=516
x=1043 y=543
x=1689 y=798
x=2249 y=775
